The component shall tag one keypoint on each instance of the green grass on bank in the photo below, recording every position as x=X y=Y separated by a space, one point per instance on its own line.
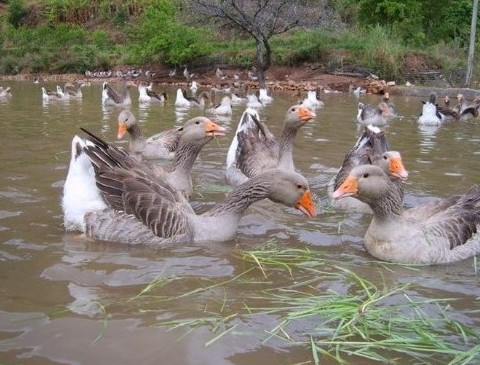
x=124 y=35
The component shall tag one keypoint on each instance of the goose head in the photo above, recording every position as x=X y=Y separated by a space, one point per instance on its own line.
x=392 y=164
x=364 y=182
x=126 y=120
x=289 y=188
x=447 y=100
x=201 y=130
x=297 y=115
x=383 y=107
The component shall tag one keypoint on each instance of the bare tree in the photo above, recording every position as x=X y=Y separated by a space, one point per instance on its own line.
x=260 y=19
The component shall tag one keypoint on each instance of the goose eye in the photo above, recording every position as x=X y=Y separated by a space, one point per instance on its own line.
x=365 y=175
x=384 y=157
x=292 y=110
x=299 y=186
x=197 y=122
x=180 y=129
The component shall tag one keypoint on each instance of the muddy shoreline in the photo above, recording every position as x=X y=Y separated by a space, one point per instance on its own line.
x=294 y=84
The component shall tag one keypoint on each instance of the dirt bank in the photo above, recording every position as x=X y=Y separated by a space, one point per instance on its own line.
x=278 y=78
x=293 y=79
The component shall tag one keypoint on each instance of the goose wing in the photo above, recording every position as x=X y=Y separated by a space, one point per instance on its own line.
x=113 y=94
x=168 y=139
x=371 y=144
x=458 y=222
x=258 y=149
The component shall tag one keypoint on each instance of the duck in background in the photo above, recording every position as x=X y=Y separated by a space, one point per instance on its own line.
x=313 y=100
x=5 y=92
x=56 y=95
x=182 y=100
x=468 y=109
x=430 y=115
x=74 y=91
x=372 y=115
x=194 y=87
x=224 y=108
x=111 y=97
x=446 y=111
x=253 y=101
x=147 y=95
x=392 y=110
x=263 y=96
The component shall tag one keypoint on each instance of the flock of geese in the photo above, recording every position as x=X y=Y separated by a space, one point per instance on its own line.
x=124 y=195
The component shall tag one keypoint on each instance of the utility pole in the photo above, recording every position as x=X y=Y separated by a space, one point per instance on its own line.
x=471 y=49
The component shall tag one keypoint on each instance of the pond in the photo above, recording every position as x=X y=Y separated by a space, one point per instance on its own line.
x=258 y=299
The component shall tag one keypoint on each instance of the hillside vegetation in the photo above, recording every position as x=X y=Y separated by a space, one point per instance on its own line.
x=395 y=40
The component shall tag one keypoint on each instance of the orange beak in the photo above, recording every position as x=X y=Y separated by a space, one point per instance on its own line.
x=397 y=169
x=347 y=188
x=214 y=129
x=122 y=129
x=305 y=204
x=305 y=114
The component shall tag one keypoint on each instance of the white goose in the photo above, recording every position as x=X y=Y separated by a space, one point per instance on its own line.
x=80 y=193
x=52 y=95
x=147 y=95
x=5 y=92
x=430 y=114
x=313 y=101
x=263 y=96
x=181 y=101
x=254 y=102
x=224 y=108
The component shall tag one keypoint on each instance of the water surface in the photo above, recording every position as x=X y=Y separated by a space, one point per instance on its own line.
x=69 y=300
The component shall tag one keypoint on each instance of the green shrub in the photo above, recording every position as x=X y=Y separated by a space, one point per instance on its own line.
x=159 y=35
x=16 y=12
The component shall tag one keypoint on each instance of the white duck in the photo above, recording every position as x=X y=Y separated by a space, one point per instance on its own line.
x=147 y=95
x=52 y=95
x=5 y=92
x=263 y=96
x=430 y=114
x=254 y=102
x=224 y=108
x=184 y=101
x=313 y=100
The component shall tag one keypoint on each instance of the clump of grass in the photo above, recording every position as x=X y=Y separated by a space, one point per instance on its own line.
x=327 y=308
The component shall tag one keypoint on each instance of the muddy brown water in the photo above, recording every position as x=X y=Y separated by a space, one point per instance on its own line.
x=68 y=300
